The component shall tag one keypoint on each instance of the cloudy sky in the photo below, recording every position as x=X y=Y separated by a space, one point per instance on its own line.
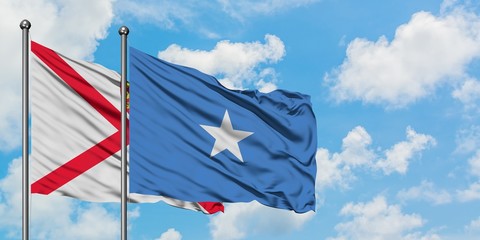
x=395 y=87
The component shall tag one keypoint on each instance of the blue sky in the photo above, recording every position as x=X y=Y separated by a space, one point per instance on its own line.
x=394 y=84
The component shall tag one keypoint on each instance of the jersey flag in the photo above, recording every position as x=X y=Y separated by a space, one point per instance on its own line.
x=193 y=139
x=75 y=130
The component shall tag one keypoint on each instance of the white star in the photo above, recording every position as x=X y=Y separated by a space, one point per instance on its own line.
x=226 y=137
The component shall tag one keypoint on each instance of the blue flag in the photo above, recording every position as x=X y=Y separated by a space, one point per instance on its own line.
x=194 y=140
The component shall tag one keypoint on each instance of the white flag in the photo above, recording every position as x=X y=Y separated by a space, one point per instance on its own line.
x=76 y=131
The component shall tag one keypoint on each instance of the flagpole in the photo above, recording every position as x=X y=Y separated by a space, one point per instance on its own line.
x=25 y=26
x=123 y=31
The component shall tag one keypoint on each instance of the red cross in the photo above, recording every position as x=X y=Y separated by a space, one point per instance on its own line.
x=97 y=153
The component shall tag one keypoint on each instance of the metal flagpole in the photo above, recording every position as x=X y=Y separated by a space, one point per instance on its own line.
x=25 y=26
x=123 y=31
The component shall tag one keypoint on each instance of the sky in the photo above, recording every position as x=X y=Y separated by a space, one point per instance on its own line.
x=395 y=87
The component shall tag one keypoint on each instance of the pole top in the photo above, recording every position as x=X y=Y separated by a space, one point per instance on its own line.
x=123 y=30
x=25 y=24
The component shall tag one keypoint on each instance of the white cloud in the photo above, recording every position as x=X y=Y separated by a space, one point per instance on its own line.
x=265 y=87
x=238 y=71
x=243 y=9
x=398 y=157
x=468 y=94
x=474 y=163
x=197 y=15
x=58 y=24
x=355 y=150
x=411 y=66
x=337 y=168
x=471 y=231
x=448 y=5
x=473 y=226
x=425 y=191
x=53 y=217
x=90 y=222
x=164 y=13
x=420 y=236
x=170 y=234
x=134 y=213
x=468 y=140
x=377 y=220
x=243 y=219
x=333 y=171
x=470 y=194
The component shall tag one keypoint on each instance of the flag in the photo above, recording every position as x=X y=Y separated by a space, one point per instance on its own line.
x=193 y=139
x=75 y=130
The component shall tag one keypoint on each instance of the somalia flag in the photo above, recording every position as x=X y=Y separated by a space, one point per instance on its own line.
x=194 y=140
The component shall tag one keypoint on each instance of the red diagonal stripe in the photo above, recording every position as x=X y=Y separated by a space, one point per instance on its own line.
x=78 y=83
x=77 y=165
